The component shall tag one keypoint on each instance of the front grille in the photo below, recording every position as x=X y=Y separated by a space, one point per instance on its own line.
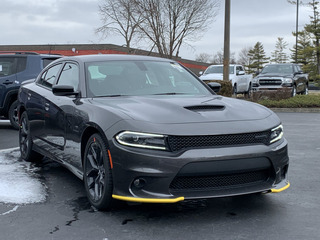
x=216 y=182
x=270 y=82
x=177 y=143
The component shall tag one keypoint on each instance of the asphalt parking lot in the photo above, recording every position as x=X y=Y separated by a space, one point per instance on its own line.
x=66 y=214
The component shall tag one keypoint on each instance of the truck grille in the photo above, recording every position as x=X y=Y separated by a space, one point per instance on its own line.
x=270 y=82
x=177 y=143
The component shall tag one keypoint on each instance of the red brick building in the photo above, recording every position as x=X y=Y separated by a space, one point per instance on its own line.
x=85 y=49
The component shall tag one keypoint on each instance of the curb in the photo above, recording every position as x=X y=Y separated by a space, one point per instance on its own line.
x=296 y=110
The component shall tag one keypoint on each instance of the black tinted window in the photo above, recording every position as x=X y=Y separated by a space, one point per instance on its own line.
x=47 y=61
x=7 y=66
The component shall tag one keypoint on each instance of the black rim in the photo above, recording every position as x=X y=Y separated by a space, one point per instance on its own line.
x=24 y=136
x=15 y=116
x=95 y=171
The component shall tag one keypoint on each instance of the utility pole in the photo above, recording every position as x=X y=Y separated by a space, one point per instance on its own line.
x=226 y=52
x=297 y=29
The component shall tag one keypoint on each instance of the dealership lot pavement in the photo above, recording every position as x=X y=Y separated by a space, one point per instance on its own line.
x=66 y=214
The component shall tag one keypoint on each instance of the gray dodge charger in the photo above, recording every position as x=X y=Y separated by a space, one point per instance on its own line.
x=146 y=129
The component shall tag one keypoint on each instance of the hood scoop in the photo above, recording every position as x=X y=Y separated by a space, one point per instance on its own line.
x=205 y=108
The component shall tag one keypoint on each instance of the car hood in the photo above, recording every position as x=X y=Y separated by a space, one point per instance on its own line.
x=274 y=75
x=183 y=109
x=213 y=76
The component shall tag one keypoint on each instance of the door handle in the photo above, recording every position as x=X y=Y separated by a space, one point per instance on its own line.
x=7 y=82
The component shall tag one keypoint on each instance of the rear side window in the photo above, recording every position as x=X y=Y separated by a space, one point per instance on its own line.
x=12 y=65
x=47 y=61
x=48 y=77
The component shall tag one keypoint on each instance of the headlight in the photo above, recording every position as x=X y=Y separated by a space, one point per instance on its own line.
x=276 y=134
x=255 y=80
x=287 y=80
x=142 y=140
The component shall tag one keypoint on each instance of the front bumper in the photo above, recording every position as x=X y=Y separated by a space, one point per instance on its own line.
x=142 y=175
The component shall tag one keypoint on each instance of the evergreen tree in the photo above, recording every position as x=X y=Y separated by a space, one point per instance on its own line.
x=313 y=28
x=257 y=57
x=279 y=55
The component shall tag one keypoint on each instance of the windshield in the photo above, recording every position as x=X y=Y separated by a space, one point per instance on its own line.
x=279 y=68
x=114 y=78
x=218 y=69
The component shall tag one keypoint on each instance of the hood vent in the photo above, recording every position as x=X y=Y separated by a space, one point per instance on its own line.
x=202 y=108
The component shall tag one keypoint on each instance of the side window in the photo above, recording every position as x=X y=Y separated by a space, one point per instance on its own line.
x=48 y=77
x=21 y=64
x=8 y=66
x=69 y=75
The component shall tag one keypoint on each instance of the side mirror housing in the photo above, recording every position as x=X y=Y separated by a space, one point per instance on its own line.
x=215 y=86
x=63 y=90
x=241 y=73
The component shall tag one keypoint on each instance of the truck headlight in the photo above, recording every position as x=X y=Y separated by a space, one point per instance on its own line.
x=276 y=134
x=142 y=140
x=287 y=80
x=255 y=80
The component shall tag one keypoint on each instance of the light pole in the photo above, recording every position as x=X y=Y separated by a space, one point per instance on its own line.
x=226 y=51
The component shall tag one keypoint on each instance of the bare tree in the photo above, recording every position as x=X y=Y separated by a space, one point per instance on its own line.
x=168 y=24
x=244 y=58
x=116 y=16
x=219 y=56
x=203 y=57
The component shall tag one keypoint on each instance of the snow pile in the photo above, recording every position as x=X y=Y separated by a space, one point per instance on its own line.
x=18 y=181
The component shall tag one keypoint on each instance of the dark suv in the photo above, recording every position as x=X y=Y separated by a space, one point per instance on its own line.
x=15 y=68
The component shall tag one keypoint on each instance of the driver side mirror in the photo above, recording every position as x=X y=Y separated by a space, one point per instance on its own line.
x=63 y=90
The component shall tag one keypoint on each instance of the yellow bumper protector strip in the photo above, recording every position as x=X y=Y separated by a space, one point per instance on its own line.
x=149 y=200
x=280 y=189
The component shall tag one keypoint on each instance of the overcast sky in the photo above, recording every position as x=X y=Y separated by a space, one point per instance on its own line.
x=74 y=22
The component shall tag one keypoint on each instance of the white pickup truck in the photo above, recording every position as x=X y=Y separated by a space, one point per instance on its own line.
x=241 y=82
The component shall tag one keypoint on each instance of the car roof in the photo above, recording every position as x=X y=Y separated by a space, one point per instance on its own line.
x=115 y=57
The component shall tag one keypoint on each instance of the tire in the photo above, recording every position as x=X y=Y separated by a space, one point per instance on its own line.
x=294 y=91
x=13 y=115
x=234 y=90
x=248 y=94
x=25 y=141
x=306 y=90
x=97 y=173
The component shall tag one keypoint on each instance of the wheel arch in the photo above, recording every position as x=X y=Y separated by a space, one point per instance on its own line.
x=88 y=132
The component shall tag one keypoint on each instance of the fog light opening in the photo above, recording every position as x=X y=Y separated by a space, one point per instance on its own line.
x=139 y=183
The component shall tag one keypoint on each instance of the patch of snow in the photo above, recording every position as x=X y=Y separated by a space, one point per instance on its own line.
x=18 y=181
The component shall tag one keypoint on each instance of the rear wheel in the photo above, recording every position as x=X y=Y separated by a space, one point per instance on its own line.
x=25 y=141
x=13 y=115
x=97 y=173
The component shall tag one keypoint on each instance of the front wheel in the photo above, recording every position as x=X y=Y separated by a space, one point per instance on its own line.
x=13 y=115
x=234 y=90
x=306 y=90
x=97 y=174
x=25 y=141
x=294 y=91
x=248 y=94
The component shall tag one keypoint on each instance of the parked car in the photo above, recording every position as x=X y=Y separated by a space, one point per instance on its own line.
x=16 y=67
x=145 y=129
x=241 y=82
x=279 y=76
